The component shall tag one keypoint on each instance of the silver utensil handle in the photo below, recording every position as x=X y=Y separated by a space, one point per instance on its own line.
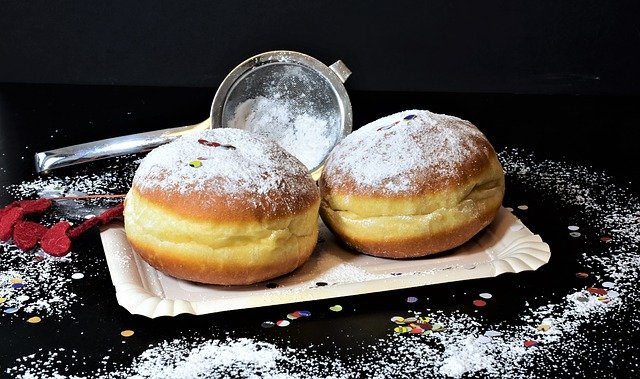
x=111 y=147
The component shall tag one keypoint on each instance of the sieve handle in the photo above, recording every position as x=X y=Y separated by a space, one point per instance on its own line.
x=341 y=70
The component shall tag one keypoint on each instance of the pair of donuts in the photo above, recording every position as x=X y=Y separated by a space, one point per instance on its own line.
x=225 y=206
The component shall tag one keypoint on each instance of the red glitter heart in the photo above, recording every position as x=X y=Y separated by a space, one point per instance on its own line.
x=8 y=221
x=26 y=234
x=55 y=241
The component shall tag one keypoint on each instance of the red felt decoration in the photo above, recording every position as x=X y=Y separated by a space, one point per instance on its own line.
x=111 y=213
x=37 y=206
x=55 y=241
x=77 y=231
x=8 y=221
x=27 y=234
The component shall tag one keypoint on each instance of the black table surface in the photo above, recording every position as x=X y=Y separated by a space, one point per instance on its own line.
x=569 y=161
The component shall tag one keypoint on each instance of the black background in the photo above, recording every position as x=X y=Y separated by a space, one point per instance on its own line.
x=544 y=46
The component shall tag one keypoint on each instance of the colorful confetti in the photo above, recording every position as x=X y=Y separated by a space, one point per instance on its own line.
x=283 y=323
x=336 y=308
x=485 y=295
x=127 y=333
x=34 y=320
x=479 y=303
x=411 y=299
x=268 y=324
x=77 y=275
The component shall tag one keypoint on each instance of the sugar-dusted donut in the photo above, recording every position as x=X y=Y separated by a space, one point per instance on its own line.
x=222 y=206
x=411 y=184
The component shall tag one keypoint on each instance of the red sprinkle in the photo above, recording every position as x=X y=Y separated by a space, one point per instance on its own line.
x=55 y=241
x=208 y=143
x=26 y=234
x=8 y=221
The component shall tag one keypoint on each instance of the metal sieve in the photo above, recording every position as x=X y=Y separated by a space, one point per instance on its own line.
x=285 y=95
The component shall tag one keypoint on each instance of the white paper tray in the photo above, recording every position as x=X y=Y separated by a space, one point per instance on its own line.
x=506 y=245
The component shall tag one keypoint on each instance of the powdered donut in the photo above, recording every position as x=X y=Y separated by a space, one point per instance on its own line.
x=411 y=184
x=222 y=206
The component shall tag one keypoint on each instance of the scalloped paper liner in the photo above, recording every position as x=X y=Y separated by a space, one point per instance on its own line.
x=506 y=245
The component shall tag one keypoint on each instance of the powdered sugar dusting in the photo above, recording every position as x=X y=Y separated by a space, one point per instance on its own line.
x=242 y=163
x=470 y=345
x=385 y=155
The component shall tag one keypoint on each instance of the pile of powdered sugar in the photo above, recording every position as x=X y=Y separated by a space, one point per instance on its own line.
x=467 y=346
x=306 y=135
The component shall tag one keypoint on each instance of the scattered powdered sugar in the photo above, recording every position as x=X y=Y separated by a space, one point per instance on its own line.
x=223 y=160
x=306 y=135
x=543 y=342
x=387 y=154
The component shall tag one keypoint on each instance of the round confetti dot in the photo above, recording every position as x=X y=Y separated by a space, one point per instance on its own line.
x=523 y=207
x=479 y=303
x=417 y=330
x=605 y=238
x=268 y=324
x=397 y=319
x=34 y=320
x=10 y=310
x=17 y=286
x=336 y=308
x=16 y=280
x=402 y=329
x=573 y=227
x=582 y=275
x=437 y=327
x=304 y=313
x=22 y=298
x=612 y=294
x=597 y=291
x=485 y=295
x=575 y=234
x=2 y=300
x=530 y=343
x=492 y=333
x=283 y=323
x=292 y=316
x=582 y=299
x=127 y=333
x=195 y=163
x=483 y=339
x=77 y=275
x=412 y=299
x=608 y=284
x=543 y=327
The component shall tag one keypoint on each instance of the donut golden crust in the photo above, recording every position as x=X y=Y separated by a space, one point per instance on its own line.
x=411 y=184
x=222 y=207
